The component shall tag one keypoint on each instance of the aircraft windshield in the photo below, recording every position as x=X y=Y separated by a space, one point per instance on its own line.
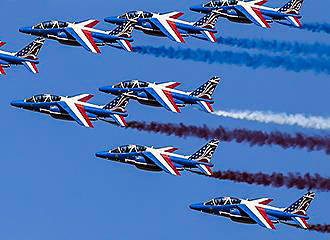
x=136 y=14
x=43 y=98
x=51 y=24
x=128 y=149
x=131 y=84
x=223 y=201
x=221 y=3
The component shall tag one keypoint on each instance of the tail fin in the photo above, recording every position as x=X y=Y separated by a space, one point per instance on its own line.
x=125 y=30
x=301 y=206
x=204 y=155
x=207 y=89
x=118 y=104
x=32 y=50
x=208 y=21
x=292 y=7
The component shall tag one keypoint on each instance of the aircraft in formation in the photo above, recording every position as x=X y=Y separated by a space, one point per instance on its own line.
x=168 y=24
x=164 y=94
x=254 y=12
x=76 y=108
x=28 y=56
x=83 y=34
x=256 y=211
x=163 y=159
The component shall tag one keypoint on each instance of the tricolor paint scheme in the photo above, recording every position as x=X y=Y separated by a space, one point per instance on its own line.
x=254 y=12
x=168 y=24
x=257 y=211
x=28 y=56
x=76 y=108
x=164 y=94
x=163 y=159
x=83 y=34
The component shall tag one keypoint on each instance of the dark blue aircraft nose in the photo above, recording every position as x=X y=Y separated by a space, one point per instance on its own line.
x=102 y=154
x=197 y=206
x=108 y=89
x=18 y=103
x=113 y=20
x=25 y=29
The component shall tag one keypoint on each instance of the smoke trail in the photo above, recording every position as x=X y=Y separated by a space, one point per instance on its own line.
x=316 y=27
x=292 y=180
x=289 y=63
x=323 y=228
x=279 y=118
x=284 y=140
x=277 y=46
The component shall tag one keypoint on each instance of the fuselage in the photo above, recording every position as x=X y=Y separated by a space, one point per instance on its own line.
x=7 y=58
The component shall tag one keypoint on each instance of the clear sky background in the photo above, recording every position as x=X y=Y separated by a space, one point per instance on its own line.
x=53 y=187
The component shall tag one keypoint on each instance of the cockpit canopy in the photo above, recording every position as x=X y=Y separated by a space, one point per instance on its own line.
x=128 y=149
x=51 y=24
x=221 y=3
x=136 y=14
x=131 y=84
x=43 y=98
x=223 y=201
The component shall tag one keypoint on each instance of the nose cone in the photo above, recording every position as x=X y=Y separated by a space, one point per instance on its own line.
x=197 y=206
x=27 y=30
x=102 y=154
x=113 y=19
x=200 y=9
x=108 y=89
x=18 y=103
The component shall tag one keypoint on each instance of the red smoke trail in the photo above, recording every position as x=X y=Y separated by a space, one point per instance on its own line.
x=292 y=180
x=284 y=140
x=323 y=228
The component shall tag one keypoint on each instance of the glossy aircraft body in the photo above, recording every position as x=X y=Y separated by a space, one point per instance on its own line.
x=76 y=108
x=168 y=24
x=164 y=94
x=28 y=56
x=163 y=159
x=83 y=34
x=256 y=211
x=254 y=12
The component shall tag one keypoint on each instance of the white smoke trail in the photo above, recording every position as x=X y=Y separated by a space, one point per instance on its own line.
x=301 y=120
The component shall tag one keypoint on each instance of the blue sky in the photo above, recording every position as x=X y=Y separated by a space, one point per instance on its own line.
x=53 y=187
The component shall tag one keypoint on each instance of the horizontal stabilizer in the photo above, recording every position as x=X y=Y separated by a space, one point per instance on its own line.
x=32 y=67
x=294 y=21
x=120 y=120
x=301 y=222
x=205 y=106
x=2 y=43
x=126 y=45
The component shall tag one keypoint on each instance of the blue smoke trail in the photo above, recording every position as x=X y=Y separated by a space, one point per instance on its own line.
x=277 y=46
x=316 y=27
x=296 y=64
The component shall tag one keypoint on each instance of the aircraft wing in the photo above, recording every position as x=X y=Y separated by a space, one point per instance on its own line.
x=168 y=27
x=84 y=38
x=163 y=161
x=253 y=14
x=77 y=112
x=163 y=97
x=2 y=43
x=168 y=149
x=258 y=214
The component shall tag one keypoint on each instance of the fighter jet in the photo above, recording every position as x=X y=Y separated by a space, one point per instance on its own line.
x=256 y=211
x=27 y=56
x=163 y=159
x=83 y=34
x=76 y=108
x=254 y=12
x=164 y=94
x=168 y=24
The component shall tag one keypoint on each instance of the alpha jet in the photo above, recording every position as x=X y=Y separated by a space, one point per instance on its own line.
x=28 y=56
x=256 y=211
x=163 y=159
x=83 y=34
x=76 y=108
x=254 y=12
x=168 y=25
x=164 y=94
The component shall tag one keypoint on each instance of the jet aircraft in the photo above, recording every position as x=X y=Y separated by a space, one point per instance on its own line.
x=27 y=56
x=164 y=94
x=168 y=24
x=83 y=34
x=254 y=12
x=256 y=211
x=76 y=108
x=163 y=159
